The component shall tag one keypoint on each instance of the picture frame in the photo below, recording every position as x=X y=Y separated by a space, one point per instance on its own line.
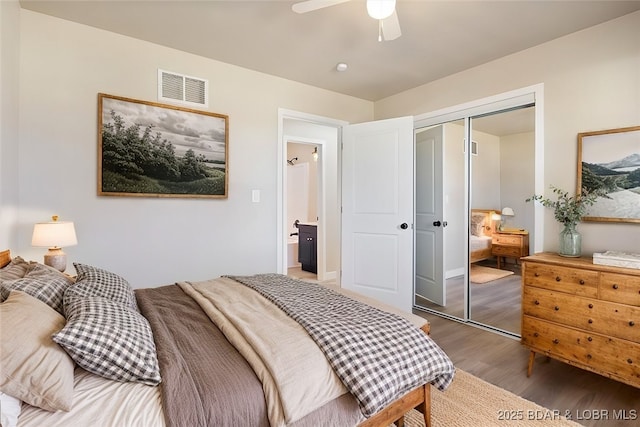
x=148 y=149
x=609 y=164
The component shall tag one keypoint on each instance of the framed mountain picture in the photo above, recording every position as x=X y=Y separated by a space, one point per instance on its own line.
x=609 y=165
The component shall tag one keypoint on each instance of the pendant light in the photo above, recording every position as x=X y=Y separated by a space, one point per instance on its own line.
x=380 y=9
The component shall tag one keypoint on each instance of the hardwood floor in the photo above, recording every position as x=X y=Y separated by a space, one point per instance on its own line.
x=496 y=303
x=590 y=399
x=299 y=273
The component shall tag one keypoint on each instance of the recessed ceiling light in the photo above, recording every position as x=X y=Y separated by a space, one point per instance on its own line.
x=342 y=67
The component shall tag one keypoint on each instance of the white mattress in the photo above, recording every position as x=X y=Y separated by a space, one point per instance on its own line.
x=477 y=243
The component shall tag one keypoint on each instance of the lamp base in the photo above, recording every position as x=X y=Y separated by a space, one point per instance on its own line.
x=56 y=258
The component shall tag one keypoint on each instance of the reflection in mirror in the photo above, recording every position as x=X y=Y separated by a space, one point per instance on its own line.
x=440 y=283
x=501 y=179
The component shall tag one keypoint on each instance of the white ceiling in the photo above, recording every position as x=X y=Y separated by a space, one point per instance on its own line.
x=439 y=38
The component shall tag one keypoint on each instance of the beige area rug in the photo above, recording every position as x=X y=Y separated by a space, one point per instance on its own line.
x=472 y=402
x=481 y=274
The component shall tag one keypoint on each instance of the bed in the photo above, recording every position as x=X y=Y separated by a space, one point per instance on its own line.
x=226 y=351
x=481 y=228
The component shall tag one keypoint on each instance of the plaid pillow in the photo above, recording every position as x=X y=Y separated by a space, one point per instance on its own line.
x=96 y=282
x=110 y=340
x=42 y=282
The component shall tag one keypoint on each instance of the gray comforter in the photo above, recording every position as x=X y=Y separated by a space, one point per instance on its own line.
x=206 y=382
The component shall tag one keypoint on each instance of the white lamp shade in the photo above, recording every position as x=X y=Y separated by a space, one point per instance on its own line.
x=54 y=234
x=507 y=212
x=380 y=9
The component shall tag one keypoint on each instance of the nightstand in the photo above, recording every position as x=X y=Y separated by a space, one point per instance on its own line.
x=510 y=243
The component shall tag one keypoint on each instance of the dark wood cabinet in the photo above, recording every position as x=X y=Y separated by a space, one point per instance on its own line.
x=307 y=247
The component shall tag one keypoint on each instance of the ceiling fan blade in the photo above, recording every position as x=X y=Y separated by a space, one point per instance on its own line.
x=311 y=5
x=391 y=27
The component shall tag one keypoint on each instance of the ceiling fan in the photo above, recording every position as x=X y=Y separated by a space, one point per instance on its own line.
x=382 y=10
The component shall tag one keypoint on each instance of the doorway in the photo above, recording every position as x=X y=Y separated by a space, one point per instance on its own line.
x=309 y=132
x=303 y=204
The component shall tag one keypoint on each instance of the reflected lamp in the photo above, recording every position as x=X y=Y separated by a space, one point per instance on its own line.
x=506 y=212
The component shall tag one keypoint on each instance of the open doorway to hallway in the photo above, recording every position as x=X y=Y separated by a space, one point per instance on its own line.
x=300 y=135
x=303 y=201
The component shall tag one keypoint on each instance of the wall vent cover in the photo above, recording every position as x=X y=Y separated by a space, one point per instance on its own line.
x=175 y=87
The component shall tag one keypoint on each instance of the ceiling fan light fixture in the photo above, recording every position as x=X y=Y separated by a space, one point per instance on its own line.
x=380 y=9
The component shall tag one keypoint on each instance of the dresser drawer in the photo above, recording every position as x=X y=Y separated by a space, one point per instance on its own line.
x=510 y=251
x=620 y=288
x=585 y=313
x=506 y=239
x=563 y=279
x=612 y=357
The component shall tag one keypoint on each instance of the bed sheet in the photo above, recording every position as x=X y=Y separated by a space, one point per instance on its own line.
x=100 y=402
x=478 y=243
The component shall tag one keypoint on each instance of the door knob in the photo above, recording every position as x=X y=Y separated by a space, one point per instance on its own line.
x=404 y=225
x=437 y=223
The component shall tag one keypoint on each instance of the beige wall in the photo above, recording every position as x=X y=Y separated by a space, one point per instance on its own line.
x=591 y=81
x=9 y=70
x=517 y=179
x=149 y=241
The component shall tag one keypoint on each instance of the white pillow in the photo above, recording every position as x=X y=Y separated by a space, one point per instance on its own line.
x=10 y=408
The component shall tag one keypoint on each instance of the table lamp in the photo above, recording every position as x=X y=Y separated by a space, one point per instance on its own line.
x=54 y=235
x=495 y=217
x=506 y=212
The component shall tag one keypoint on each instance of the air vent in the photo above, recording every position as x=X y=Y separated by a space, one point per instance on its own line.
x=177 y=87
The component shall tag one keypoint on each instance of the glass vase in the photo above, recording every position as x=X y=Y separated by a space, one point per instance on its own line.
x=570 y=241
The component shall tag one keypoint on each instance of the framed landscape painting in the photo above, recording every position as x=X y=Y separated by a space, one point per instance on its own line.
x=609 y=165
x=146 y=149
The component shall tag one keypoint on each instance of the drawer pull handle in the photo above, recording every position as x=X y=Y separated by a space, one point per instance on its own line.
x=615 y=286
x=556 y=308
x=589 y=356
x=629 y=361
x=581 y=282
x=558 y=278
x=556 y=341
x=536 y=274
x=590 y=320
x=589 y=339
x=590 y=305
x=535 y=334
x=536 y=302
x=631 y=323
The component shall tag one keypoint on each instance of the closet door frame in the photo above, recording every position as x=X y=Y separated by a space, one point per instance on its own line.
x=531 y=95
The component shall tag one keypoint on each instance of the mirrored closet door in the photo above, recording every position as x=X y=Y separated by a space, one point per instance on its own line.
x=440 y=164
x=473 y=175
x=501 y=179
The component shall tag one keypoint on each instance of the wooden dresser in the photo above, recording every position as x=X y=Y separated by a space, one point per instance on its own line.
x=583 y=314
x=513 y=243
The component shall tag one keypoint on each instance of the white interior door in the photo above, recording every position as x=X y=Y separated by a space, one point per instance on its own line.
x=377 y=210
x=430 y=280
